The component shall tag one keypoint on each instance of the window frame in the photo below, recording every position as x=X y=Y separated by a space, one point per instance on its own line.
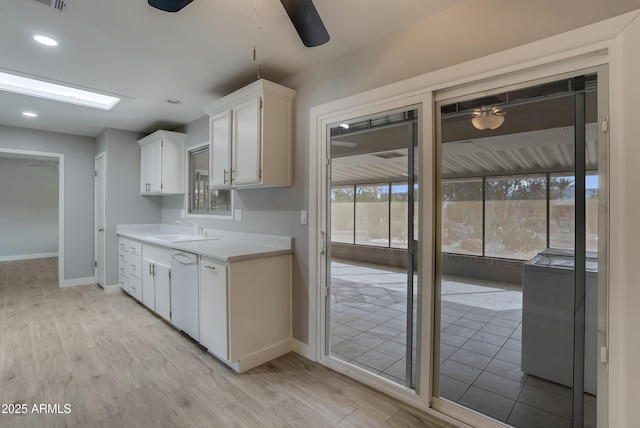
x=389 y=185
x=187 y=199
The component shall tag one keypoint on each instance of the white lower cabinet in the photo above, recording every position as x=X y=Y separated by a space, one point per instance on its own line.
x=135 y=269
x=123 y=263
x=135 y=287
x=163 y=291
x=156 y=280
x=213 y=307
x=148 y=284
x=245 y=309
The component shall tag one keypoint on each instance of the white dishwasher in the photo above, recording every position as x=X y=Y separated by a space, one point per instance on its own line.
x=184 y=292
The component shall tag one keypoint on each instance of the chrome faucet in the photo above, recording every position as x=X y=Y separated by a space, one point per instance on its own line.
x=199 y=229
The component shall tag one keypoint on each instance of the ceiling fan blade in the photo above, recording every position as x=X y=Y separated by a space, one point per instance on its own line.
x=307 y=22
x=169 y=5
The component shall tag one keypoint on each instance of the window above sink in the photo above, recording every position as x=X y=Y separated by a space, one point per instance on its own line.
x=202 y=201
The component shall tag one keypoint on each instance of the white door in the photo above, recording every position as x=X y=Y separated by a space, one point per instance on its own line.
x=99 y=206
x=246 y=142
x=221 y=150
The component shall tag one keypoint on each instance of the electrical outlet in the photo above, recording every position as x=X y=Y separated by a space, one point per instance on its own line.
x=237 y=216
x=303 y=217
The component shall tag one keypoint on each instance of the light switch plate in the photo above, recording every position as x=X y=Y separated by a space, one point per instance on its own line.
x=303 y=217
x=237 y=216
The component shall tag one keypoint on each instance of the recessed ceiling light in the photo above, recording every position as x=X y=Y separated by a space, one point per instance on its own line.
x=173 y=101
x=44 y=40
x=29 y=114
x=55 y=92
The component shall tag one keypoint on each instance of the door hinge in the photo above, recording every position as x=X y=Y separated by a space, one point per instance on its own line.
x=605 y=125
x=95 y=263
x=169 y=274
x=95 y=173
x=260 y=102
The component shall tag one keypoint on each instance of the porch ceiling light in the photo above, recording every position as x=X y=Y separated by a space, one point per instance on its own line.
x=487 y=118
x=55 y=92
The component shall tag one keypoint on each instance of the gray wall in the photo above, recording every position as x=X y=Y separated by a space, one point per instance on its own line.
x=122 y=200
x=29 y=207
x=78 y=208
x=417 y=50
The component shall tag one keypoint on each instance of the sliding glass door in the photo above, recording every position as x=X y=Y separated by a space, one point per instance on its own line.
x=520 y=277
x=371 y=244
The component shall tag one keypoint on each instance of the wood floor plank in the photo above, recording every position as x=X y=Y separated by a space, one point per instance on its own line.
x=360 y=419
x=119 y=365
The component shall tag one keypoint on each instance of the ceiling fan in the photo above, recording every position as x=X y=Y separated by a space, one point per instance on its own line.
x=303 y=14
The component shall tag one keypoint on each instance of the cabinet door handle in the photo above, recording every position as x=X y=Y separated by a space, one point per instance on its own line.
x=211 y=267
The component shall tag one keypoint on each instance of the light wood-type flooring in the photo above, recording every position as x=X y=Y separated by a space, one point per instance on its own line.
x=118 y=365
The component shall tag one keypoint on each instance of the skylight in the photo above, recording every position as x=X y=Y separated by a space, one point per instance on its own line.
x=55 y=92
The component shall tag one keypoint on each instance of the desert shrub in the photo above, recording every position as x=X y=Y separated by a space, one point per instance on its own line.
x=471 y=245
x=520 y=238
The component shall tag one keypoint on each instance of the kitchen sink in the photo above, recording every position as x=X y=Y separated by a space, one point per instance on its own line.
x=180 y=237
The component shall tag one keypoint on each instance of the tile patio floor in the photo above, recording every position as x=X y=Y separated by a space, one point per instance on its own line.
x=480 y=343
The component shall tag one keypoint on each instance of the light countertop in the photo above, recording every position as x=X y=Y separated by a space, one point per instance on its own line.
x=226 y=246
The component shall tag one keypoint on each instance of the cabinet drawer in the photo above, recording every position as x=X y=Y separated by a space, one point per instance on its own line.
x=135 y=248
x=124 y=270
x=124 y=283
x=123 y=244
x=135 y=266
x=123 y=258
x=135 y=288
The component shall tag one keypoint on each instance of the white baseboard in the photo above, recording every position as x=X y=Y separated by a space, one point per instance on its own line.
x=262 y=356
x=302 y=349
x=27 y=256
x=79 y=281
x=112 y=289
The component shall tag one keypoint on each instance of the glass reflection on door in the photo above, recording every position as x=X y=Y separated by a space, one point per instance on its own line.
x=517 y=293
x=371 y=268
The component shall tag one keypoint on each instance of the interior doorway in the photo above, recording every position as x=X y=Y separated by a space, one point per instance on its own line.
x=52 y=162
x=100 y=221
x=521 y=286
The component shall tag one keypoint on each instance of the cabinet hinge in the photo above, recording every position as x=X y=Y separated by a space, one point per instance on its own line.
x=95 y=173
x=95 y=263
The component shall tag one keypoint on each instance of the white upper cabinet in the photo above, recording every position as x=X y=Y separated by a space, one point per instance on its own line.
x=161 y=163
x=251 y=137
x=220 y=134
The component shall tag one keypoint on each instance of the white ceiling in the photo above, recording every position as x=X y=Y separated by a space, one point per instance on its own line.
x=205 y=51
x=127 y=48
